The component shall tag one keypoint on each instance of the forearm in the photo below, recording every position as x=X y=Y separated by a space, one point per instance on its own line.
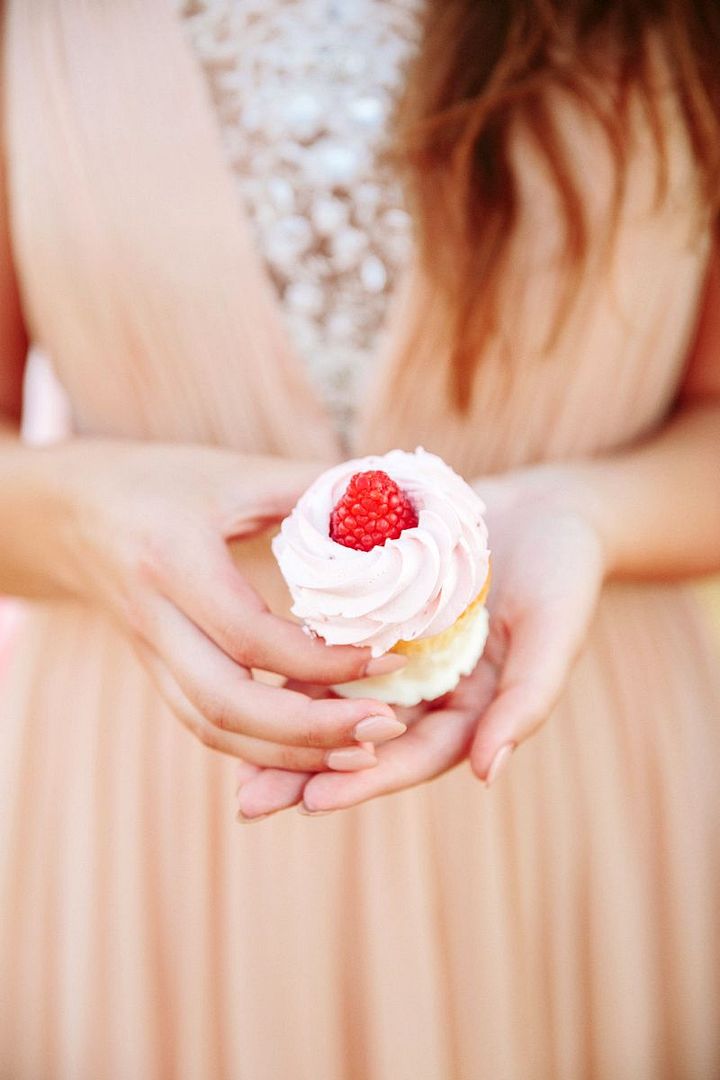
x=73 y=511
x=656 y=506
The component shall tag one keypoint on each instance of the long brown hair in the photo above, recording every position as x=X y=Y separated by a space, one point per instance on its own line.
x=484 y=65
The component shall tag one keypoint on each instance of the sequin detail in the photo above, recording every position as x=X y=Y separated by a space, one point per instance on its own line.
x=303 y=90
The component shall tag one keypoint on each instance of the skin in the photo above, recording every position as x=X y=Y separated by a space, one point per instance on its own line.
x=651 y=512
x=99 y=521
x=139 y=531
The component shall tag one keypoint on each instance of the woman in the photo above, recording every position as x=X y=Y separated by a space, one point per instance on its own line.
x=555 y=338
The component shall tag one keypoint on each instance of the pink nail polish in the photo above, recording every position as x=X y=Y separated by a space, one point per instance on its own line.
x=385 y=665
x=243 y=820
x=375 y=729
x=349 y=759
x=302 y=809
x=499 y=762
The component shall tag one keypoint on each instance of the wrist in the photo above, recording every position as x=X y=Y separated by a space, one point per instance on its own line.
x=37 y=510
x=576 y=492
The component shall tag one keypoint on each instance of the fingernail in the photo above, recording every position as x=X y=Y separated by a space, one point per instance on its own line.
x=243 y=820
x=385 y=665
x=306 y=812
x=378 y=729
x=348 y=759
x=498 y=763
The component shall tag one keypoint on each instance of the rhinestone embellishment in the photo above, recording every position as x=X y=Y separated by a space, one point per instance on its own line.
x=303 y=91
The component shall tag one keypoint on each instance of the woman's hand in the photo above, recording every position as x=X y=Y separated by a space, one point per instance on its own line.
x=548 y=565
x=143 y=535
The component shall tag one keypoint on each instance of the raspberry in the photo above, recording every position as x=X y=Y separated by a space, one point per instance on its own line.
x=372 y=510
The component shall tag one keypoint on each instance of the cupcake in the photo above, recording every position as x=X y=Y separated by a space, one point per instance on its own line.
x=390 y=552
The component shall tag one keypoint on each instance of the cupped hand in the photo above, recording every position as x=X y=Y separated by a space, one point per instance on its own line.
x=146 y=540
x=548 y=566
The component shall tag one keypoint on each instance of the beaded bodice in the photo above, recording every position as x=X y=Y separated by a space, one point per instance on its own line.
x=303 y=90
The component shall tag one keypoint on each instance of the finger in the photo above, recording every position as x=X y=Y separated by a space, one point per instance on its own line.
x=435 y=743
x=255 y=752
x=244 y=772
x=279 y=484
x=540 y=651
x=266 y=791
x=312 y=690
x=224 y=694
x=269 y=791
x=262 y=792
x=406 y=715
x=205 y=583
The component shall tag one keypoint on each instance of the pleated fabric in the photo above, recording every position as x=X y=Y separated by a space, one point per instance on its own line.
x=562 y=926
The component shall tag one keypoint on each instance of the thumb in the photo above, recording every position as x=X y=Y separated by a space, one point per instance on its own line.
x=532 y=678
x=267 y=489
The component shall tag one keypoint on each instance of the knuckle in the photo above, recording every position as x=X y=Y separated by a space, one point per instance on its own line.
x=333 y=665
x=289 y=758
x=217 y=711
x=314 y=731
x=223 y=717
x=240 y=641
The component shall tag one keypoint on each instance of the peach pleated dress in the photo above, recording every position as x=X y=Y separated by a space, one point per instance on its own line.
x=561 y=926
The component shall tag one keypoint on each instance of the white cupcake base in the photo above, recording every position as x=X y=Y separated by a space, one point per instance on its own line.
x=427 y=675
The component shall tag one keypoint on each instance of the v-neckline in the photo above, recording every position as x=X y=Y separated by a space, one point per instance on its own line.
x=344 y=447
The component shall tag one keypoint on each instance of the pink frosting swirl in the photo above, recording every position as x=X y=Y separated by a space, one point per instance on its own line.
x=409 y=588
